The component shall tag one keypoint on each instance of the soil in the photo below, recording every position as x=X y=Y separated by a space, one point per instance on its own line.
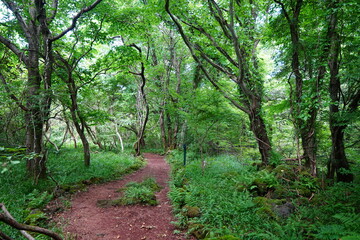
x=85 y=221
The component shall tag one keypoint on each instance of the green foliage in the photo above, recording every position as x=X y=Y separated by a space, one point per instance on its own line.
x=37 y=199
x=237 y=200
x=139 y=193
x=25 y=200
x=9 y=157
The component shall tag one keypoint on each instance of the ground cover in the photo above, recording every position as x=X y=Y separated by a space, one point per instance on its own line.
x=26 y=200
x=227 y=198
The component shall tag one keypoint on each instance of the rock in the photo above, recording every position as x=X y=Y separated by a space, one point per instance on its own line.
x=284 y=210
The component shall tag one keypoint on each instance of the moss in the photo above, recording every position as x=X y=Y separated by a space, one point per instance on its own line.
x=73 y=188
x=191 y=212
x=285 y=171
x=281 y=192
x=259 y=187
x=197 y=230
x=266 y=211
x=265 y=206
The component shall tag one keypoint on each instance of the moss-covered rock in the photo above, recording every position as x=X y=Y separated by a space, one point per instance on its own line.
x=284 y=210
x=281 y=192
x=285 y=172
x=266 y=207
x=191 y=212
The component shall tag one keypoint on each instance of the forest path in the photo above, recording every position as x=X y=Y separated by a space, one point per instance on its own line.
x=85 y=221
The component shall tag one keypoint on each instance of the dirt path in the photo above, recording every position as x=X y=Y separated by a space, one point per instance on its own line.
x=85 y=221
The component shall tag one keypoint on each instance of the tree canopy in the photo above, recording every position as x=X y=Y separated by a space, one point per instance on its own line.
x=268 y=80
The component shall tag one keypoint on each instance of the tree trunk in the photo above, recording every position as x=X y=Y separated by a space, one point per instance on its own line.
x=34 y=119
x=258 y=128
x=119 y=136
x=162 y=129
x=338 y=161
x=308 y=141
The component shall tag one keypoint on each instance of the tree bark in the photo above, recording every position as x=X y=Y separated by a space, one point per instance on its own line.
x=34 y=117
x=338 y=162
x=259 y=129
x=305 y=126
x=142 y=106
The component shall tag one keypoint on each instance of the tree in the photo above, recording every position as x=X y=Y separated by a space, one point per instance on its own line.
x=343 y=84
x=310 y=54
x=227 y=42
x=34 y=28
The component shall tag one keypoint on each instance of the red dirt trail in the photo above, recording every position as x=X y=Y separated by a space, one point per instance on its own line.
x=85 y=221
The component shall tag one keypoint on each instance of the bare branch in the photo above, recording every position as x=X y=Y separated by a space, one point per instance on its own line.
x=75 y=18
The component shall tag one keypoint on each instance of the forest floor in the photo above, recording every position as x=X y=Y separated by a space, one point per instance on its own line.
x=84 y=220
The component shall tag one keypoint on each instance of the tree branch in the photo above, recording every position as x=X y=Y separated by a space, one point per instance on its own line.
x=12 y=96
x=13 y=48
x=213 y=41
x=54 y=7
x=75 y=18
x=197 y=60
x=15 y=10
x=3 y=236
x=284 y=10
x=8 y=219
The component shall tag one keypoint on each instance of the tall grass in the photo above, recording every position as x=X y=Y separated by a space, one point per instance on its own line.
x=21 y=195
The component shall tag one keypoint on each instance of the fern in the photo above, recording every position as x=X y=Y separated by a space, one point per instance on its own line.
x=351 y=221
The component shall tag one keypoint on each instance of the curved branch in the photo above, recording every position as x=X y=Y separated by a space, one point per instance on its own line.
x=7 y=218
x=75 y=18
x=13 y=48
x=54 y=7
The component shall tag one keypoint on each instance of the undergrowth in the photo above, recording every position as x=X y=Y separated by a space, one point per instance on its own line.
x=135 y=193
x=237 y=200
x=26 y=200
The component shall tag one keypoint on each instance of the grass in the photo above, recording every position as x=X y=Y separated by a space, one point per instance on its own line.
x=22 y=197
x=238 y=201
x=135 y=193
